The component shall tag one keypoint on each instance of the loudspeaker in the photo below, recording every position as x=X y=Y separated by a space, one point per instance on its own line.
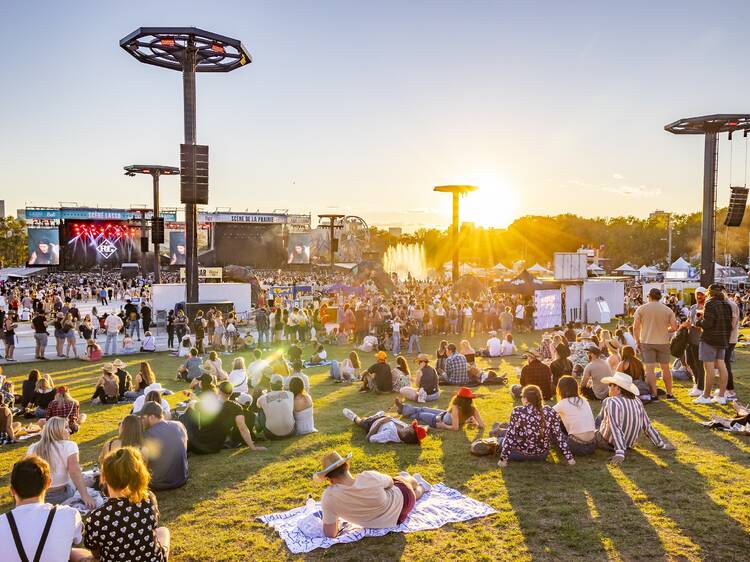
x=737 y=203
x=144 y=244
x=157 y=231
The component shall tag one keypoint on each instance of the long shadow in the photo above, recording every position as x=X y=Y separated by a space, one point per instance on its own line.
x=708 y=525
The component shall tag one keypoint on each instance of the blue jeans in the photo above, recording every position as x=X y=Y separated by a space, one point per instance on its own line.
x=335 y=372
x=57 y=497
x=135 y=326
x=396 y=343
x=111 y=339
x=414 y=343
x=429 y=416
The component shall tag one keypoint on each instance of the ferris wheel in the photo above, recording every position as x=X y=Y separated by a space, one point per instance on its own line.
x=354 y=238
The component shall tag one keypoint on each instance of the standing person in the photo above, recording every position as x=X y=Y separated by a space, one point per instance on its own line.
x=396 y=335
x=170 y=329
x=622 y=418
x=199 y=329
x=146 y=316
x=69 y=328
x=10 y=324
x=506 y=321
x=652 y=324
x=39 y=323
x=112 y=325
x=729 y=356
x=168 y=467
x=180 y=324
x=55 y=447
x=694 y=339
x=262 y=325
x=716 y=326
x=126 y=526
x=39 y=531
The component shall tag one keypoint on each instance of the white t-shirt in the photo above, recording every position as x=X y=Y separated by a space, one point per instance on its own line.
x=30 y=520
x=256 y=369
x=59 y=465
x=387 y=433
x=141 y=400
x=303 y=376
x=238 y=378
x=629 y=339
x=278 y=406
x=396 y=327
x=507 y=348
x=577 y=418
x=113 y=324
x=494 y=347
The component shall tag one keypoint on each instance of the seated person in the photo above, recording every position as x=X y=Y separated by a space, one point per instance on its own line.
x=576 y=417
x=238 y=376
x=592 y=385
x=347 y=369
x=622 y=418
x=130 y=433
x=494 y=346
x=560 y=365
x=534 y=373
x=426 y=386
x=191 y=369
x=107 y=390
x=380 y=428
x=153 y=393
x=93 y=351
x=303 y=407
x=319 y=356
x=369 y=344
x=129 y=519
x=456 y=368
x=29 y=481
x=528 y=434
x=65 y=407
x=371 y=499
x=507 y=347
x=128 y=345
x=378 y=376
x=166 y=445
x=258 y=368
x=149 y=342
x=225 y=415
x=297 y=372
x=461 y=410
x=186 y=345
x=8 y=428
x=276 y=410
x=43 y=395
x=342 y=338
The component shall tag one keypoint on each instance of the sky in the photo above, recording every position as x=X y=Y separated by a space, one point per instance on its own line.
x=362 y=107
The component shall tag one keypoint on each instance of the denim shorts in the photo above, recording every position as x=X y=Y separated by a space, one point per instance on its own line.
x=708 y=352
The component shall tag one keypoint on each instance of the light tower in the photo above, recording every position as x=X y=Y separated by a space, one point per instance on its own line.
x=456 y=190
x=334 y=222
x=188 y=50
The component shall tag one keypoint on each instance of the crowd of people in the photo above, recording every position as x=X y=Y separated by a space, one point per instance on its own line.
x=233 y=404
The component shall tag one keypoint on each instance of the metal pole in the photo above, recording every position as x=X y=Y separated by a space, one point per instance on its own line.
x=669 y=240
x=332 y=236
x=455 y=236
x=708 y=226
x=157 y=269
x=191 y=210
x=144 y=234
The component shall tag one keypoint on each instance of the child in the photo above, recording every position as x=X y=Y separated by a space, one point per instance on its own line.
x=385 y=429
x=128 y=345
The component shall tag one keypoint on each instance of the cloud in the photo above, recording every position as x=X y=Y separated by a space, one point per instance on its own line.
x=637 y=192
x=618 y=176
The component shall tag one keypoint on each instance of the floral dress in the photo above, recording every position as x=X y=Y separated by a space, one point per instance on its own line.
x=526 y=436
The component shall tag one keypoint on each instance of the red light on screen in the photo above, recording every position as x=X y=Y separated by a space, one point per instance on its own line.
x=167 y=41
x=217 y=48
x=732 y=123
x=146 y=171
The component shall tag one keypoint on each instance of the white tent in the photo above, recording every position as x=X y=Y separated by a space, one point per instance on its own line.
x=626 y=268
x=680 y=264
x=645 y=271
x=465 y=268
x=500 y=267
x=536 y=268
x=596 y=269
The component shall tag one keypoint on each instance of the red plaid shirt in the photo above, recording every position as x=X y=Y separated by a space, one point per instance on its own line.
x=67 y=410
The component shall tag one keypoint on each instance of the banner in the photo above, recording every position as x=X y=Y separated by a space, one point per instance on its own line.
x=205 y=273
x=92 y=214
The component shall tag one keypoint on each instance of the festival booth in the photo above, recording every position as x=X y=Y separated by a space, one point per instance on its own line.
x=166 y=296
x=297 y=295
x=683 y=290
x=547 y=298
x=646 y=272
x=594 y=300
x=626 y=269
x=596 y=270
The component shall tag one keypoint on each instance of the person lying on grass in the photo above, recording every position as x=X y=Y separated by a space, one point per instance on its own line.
x=461 y=410
x=371 y=499
x=529 y=432
x=622 y=418
x=380 y=428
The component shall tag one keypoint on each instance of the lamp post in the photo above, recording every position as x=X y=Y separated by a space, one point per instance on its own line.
x=709 y=126
x=154 y=172
x=456 y=190
x=334 y=222
x=188 y=50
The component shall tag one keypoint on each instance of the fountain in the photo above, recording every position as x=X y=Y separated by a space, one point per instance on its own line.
x=405 y=259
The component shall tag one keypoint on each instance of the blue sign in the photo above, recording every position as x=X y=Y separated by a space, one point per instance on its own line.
x=91 y=214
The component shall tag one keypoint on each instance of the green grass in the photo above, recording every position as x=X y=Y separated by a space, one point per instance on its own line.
x=692 y=504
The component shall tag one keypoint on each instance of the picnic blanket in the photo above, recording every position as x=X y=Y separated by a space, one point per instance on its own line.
x=325 y=363
x=439 y=506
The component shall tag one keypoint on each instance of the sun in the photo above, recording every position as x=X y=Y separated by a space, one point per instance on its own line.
x=494 y=205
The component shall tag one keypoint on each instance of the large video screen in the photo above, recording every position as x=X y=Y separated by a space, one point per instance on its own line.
x=44 y=246
x=298 y=247
x=177 y=255
x=105 y=244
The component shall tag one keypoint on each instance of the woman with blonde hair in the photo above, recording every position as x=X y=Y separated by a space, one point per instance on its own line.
x=238 y=375
x=465 y=349
x=144 y=378
x=130 y=434
x=401 y=374
x=215 y=361
x=126 y=526
x=61 y=454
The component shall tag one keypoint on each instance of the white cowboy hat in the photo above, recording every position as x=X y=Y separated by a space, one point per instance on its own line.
x=623 y=381
x=108 y=368
x=154 y=387
x=117 y=363
x=330 y=461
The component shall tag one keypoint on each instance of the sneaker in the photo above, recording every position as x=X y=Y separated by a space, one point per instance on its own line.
x=730 y=395
x=670 y=397
x=703 y=400
x=695 y=392
x=422 y=482
x=94 y=401
x=720 y=400
x=348 y=414
x=654 y=398
x=379 y=413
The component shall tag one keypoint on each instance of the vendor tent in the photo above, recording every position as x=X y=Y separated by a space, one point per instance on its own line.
x=680 y=264
x=595 y=269
x=500 y=267
x=524 y=284
x=646 y=271
x=536 y=268
x=626 y=269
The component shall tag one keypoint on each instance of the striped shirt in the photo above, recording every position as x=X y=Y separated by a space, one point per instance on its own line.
x=623 y=419
x=457 y=370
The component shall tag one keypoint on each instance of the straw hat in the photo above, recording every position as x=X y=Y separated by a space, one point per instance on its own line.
x=423 y=357
x=118 y=364
x=329 y=462
x=532 y=353
x=109 y=368
x=623 y=381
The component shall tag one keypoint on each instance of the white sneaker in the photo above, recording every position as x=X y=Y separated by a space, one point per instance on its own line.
x=380 y=413
x=422 y=482
x=730 y=395
x=695 y=392
x=348 y=414
x=702 y=400
x=720 y=400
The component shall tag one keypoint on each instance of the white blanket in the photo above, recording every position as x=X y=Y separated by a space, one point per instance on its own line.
x=437 y=507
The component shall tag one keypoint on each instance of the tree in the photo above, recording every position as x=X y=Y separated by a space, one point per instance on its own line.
x=13 y=242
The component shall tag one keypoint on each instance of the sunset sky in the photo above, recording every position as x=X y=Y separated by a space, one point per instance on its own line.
x=363 y=107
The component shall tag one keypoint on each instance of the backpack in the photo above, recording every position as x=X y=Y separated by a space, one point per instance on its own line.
x=679 y=343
